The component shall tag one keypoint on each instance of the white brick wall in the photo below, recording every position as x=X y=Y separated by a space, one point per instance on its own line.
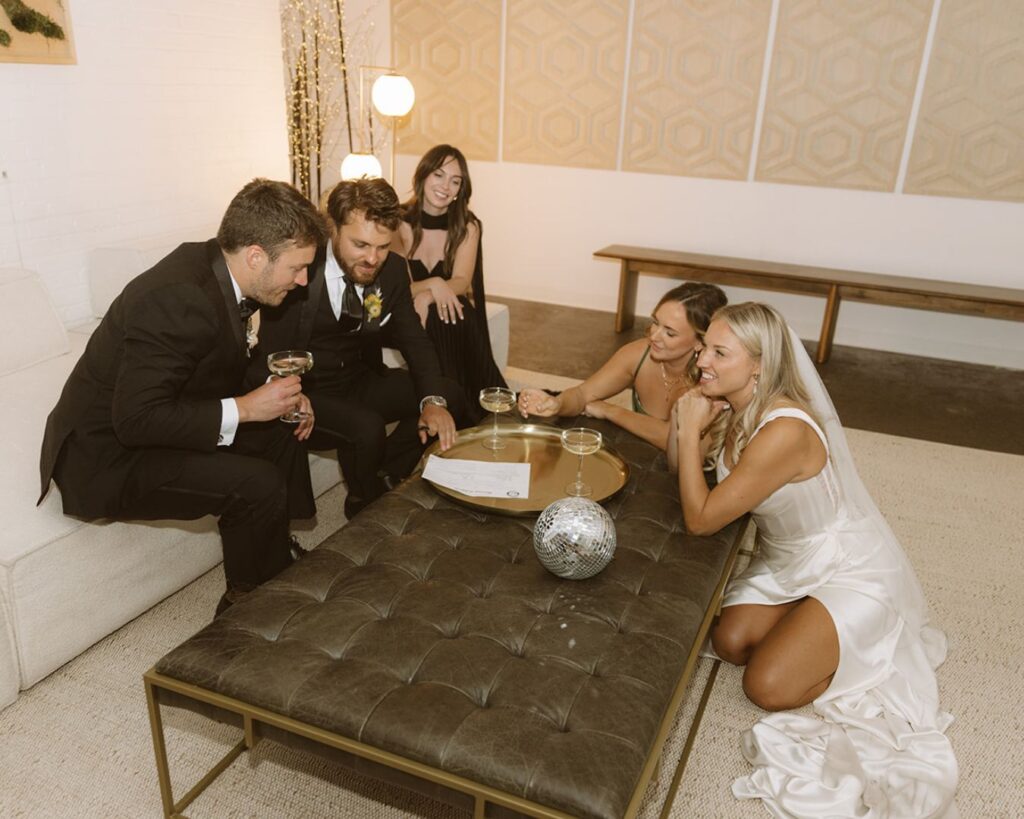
x=171 y=108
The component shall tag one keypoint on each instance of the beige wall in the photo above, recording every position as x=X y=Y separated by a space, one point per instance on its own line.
x=794 y=130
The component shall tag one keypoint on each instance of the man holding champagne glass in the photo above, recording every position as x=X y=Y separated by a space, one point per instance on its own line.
x=154 y=422
x=359 y=299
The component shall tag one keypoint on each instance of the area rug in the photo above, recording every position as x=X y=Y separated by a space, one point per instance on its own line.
x=78 y=743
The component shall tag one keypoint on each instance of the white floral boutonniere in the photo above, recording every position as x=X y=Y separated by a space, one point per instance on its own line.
x=373 y=304
x=251 y=338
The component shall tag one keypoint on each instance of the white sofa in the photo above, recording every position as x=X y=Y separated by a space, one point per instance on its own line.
x=67 y=583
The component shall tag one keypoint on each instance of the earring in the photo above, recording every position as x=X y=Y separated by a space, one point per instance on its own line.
x=756 y=379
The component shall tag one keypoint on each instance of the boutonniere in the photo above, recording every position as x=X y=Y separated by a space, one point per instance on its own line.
x=373 y=303
x=251 y=338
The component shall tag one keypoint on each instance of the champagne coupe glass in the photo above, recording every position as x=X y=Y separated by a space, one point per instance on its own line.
x=580 y=441
x=291 y=362
x=496 y=399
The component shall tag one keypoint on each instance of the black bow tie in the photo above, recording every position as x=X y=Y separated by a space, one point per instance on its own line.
x=246 y=307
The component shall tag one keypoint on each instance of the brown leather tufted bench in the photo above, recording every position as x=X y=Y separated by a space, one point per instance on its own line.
x=423 y=643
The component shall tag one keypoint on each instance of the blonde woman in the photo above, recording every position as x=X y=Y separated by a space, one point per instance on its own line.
x=829 y=612
x=658 y=368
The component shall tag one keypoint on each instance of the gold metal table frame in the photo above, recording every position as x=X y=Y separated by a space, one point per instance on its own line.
x=253 y=718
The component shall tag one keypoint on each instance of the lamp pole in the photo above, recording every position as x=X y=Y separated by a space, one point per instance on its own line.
x=393 y=96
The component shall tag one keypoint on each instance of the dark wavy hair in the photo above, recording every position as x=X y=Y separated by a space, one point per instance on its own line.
x=700 y=300
x=270 y=214
x=374 y=198
x=459 y=214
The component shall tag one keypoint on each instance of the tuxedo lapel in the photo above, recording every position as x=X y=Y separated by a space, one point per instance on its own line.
x=220 y=271
x=315 y=291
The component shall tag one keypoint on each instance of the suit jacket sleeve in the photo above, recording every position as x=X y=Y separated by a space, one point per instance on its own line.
x=170 y=332
x=405 y=333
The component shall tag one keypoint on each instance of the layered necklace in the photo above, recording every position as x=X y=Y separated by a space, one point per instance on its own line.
x=671 y=382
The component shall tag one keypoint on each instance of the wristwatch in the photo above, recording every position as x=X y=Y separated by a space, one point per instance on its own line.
x=436 y=400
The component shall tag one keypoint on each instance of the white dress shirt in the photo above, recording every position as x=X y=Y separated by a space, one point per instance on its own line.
x=335 y=282
x=228 y=406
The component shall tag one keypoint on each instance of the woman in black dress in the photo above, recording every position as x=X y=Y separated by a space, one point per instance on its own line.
x=441 y=239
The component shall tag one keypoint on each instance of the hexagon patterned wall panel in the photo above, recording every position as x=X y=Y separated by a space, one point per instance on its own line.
x=969 y=139
x=451 y=50
x=695 y=76
x=564 y=67
x=840 y=92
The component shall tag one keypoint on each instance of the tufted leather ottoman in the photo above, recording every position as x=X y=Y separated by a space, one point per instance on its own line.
x=424 y=643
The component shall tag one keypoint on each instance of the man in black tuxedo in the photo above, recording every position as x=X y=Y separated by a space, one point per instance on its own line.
x=358 y=300
x=153 y=423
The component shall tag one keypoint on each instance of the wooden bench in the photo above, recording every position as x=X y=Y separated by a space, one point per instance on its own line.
x=834 y=285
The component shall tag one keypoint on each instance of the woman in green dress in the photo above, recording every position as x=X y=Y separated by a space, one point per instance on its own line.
x=658 y=368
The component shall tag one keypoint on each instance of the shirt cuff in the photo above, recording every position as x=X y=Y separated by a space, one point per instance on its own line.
x=228 y=422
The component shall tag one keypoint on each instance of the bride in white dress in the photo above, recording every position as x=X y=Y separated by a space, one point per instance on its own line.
x=829 y=612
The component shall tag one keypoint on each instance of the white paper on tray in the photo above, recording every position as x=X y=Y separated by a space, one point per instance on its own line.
x=479 y=479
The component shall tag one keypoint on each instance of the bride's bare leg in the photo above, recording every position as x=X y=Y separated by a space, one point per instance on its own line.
x=740 y=628
x=796 y=660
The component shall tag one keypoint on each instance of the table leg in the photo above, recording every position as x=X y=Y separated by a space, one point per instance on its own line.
x=828 y=325
x=627 y=298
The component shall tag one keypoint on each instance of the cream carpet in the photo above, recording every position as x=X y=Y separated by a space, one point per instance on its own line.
x=78 y=743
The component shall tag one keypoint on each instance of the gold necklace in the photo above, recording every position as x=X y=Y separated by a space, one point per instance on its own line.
x=670 y=383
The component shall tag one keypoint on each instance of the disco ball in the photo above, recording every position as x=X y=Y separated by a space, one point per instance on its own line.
x=574 y=538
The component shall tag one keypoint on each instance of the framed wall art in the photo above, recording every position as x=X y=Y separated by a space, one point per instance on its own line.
x=35 y=31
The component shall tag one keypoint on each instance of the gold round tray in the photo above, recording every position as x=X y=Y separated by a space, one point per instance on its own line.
x=551 y=466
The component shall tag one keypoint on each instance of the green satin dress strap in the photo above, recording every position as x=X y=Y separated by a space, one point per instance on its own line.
x=637 y=405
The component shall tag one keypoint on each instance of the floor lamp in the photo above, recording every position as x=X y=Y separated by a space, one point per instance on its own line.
x=392 y=96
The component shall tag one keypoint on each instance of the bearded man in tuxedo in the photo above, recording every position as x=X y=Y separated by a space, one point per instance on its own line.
x=154 y=422
x=359 y=300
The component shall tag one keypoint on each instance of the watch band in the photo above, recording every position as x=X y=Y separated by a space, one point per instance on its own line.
x=436 y=400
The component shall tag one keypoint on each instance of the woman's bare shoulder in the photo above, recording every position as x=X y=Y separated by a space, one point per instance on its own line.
x=631 y=353
x=404 y=236
x=787 y=437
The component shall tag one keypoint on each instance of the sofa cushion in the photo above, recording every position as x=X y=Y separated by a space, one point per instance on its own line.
x=111 y=268
x=29 y=395
x=31 y=330
x=65 y=583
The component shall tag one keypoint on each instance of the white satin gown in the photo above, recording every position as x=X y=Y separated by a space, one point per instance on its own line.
x=880 y=749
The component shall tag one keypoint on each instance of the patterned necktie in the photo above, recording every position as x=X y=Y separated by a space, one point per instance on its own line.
x=351 y=308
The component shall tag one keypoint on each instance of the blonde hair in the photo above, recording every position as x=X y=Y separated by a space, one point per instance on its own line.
x=765 y=336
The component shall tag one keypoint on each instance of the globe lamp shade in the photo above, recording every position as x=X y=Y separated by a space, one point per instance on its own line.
x=358 y=165
x=393 y=95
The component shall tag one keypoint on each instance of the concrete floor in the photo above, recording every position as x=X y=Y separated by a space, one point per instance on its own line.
x=927 y=398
